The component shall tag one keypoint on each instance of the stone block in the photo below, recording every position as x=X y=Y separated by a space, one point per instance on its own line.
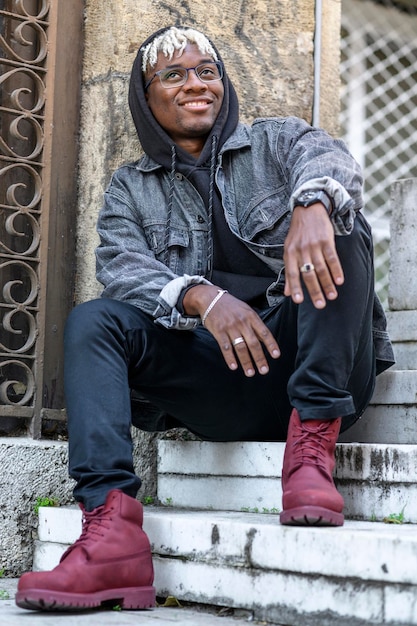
x=29 y=470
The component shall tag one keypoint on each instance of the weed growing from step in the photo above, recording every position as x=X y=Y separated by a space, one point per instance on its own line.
x=273 y=511
x=45 y=501
x=395 y=518
x=4 y=595
x=148 y=500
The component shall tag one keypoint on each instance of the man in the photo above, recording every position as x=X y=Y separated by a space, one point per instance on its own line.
x=238 y=303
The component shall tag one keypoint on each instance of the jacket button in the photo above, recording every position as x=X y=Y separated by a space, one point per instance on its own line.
x=200 y=219
x=178 y=176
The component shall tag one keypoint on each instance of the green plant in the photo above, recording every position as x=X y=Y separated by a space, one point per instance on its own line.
x=395 y=518
x=4 y=595
x=255 y=509
x=148 y=500
x=168 y=501
x=45 y=501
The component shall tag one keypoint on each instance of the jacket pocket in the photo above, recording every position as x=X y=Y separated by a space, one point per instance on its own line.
x=178 y=245
x=267 y=218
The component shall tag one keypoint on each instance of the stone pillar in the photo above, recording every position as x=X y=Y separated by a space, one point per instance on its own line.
x=402 y=292
x=392 y=414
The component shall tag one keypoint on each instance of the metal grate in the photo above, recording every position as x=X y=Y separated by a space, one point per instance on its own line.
x=379 y=112
x=23 y=52
x=39 y=91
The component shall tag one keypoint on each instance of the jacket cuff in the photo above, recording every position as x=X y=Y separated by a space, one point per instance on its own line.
x=343 y=214
x=166 y=312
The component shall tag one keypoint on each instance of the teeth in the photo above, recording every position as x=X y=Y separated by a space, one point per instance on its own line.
x=195 y=104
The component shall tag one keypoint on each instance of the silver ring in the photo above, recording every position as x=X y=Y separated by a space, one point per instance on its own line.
x=307 y=267
x=237 y=341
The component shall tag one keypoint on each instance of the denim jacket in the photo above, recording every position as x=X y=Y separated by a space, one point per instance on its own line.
x=260 y=171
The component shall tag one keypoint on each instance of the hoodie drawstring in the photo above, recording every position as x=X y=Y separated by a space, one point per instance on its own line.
x=210 y=208
x=209 y=270
x=170 y=203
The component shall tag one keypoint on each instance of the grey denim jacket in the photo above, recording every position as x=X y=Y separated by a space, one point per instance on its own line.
x=260 y=170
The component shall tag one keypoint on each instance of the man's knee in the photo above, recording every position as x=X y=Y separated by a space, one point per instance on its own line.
x=87 y=317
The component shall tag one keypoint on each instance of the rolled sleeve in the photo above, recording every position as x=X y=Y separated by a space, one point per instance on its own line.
x=343 y=215
x=166 y=312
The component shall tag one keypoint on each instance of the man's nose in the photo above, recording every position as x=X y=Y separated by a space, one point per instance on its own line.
x=193 y=81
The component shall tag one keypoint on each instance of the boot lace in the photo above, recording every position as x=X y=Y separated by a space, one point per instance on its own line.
x=94 y=525
x=310 y=446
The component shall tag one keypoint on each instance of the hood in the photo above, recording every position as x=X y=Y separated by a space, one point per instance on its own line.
x=154 y=140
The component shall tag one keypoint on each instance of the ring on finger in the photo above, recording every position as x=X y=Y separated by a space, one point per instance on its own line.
x=307 y=267
x=237 y=341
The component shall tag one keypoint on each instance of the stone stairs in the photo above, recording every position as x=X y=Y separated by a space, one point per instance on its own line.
x=363 y=573
x=217 y=539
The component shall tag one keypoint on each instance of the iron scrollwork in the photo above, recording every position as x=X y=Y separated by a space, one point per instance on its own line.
x=23 y=53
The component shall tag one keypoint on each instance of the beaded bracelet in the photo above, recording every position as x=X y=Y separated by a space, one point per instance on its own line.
x=212 y=304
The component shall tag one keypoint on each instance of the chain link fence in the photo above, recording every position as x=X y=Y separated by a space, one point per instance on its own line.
x=379 y=106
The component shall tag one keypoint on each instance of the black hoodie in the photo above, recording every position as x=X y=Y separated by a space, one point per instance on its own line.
x=233 y=266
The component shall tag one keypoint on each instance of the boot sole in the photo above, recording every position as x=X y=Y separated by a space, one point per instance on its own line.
x=311 y=516
x=46 y=600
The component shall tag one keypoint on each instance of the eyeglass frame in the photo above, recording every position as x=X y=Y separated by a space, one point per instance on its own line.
x=187 y=69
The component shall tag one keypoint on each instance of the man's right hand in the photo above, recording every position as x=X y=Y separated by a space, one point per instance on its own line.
x=229 y=320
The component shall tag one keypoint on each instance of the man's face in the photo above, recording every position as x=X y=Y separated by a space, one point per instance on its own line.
x=187 y=113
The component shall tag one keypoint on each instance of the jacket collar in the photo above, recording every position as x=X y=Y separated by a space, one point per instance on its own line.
x=240 y=138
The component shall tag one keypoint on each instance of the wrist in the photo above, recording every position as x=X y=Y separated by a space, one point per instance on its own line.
x=309 y=197
x=197 y=298
x=220 y=293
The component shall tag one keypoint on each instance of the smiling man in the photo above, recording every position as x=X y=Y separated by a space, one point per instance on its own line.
x=186 y=114
x=238 y=303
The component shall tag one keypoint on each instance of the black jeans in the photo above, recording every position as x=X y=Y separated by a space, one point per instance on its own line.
x=326 y=370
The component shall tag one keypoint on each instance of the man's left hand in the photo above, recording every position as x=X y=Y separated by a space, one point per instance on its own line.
x=310 y=255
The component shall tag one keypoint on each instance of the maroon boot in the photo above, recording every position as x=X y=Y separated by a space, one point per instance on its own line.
x=309 y=495
x=111 y=564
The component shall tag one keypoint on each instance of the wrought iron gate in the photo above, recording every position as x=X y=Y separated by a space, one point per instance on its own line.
x=40 y=60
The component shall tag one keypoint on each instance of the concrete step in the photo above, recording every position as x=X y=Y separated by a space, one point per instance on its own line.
x=392 y=414
x=376 y=480
x=182 y=614
x=364 y=573
x=402 y=328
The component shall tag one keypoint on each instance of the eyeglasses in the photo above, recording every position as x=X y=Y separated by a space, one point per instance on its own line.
x=177 y=76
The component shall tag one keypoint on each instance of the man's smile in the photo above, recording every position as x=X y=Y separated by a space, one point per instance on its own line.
x=196 y=104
